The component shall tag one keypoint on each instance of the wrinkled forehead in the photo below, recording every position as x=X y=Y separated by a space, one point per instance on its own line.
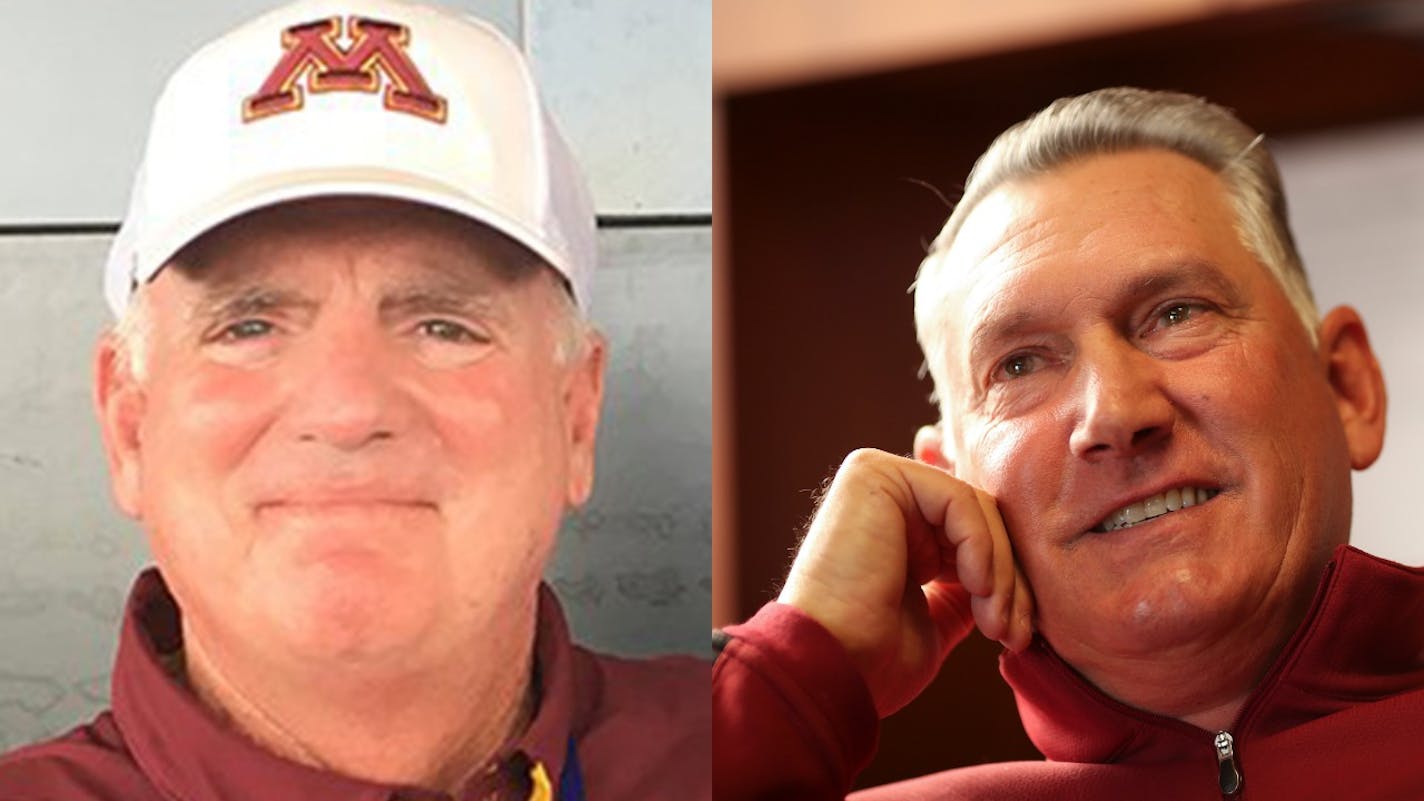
x=997 y=244
x=989 y=264
x=1080 y=229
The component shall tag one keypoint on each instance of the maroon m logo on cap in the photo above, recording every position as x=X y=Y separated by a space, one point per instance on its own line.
x=377 y=49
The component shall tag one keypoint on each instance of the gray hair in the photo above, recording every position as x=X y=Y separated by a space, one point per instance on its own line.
x=1113 y=121
x=574 y=329
x=133 y=333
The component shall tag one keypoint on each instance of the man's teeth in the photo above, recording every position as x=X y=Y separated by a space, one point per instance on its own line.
x=1156 y=506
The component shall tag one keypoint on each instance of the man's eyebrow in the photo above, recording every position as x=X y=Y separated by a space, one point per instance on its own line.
x=1178 y=275
x=997 y=329
x=1166 y=278
x=439 y=298
x=233 y=302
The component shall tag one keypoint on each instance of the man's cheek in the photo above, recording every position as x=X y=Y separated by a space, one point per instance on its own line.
x=998 y=459
x=224 y=412
x=1016 y=463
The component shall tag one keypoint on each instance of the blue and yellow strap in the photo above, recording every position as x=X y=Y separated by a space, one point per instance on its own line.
x=570 y=781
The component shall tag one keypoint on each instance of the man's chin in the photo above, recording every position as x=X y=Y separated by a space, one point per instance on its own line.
x=1147 y=617
x=349 y=618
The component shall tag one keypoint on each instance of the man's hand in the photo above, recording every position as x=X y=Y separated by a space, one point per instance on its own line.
x=900 y=562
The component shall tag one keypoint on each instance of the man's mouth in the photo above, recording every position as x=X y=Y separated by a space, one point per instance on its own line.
x=1149 y=508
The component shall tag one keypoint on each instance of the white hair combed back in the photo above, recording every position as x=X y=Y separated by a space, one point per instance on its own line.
x=1113 y=121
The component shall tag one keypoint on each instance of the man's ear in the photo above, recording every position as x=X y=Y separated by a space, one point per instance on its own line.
x=583 y=402
x=929 y=447
x=1355 y=378
x=119 y=403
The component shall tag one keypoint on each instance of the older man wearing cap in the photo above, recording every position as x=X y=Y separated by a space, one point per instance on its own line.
x=1145 y=419
x=350 y=395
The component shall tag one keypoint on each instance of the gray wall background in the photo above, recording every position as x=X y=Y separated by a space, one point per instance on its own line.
x=629 y=82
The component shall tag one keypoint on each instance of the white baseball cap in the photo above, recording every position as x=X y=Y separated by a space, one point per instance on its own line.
x=380 y=98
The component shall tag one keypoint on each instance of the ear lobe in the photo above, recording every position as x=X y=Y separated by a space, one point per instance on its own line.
x=119 y=403
x=929 y=447
x=1357 y=382
x=583 y=403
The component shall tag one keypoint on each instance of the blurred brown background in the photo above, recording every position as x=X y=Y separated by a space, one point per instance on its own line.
x=831 y=115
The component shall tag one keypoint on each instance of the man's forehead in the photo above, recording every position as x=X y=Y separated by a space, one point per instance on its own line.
x=1134 y=211
x=990 y=240
x=988 y=256
x=389 y=242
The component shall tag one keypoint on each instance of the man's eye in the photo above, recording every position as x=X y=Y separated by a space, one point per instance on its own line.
x=1018 y=365
x=448 y=331
x=246 y=329
x=1179 y=313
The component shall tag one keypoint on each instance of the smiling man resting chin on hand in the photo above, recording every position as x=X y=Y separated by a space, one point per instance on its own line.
x=1140 y=484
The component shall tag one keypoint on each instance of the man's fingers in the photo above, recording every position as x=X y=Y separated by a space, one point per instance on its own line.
x=983 y=560
x=924 y=551
x=991 y=615
x=947 y=603
x=931 y=501
x=1003 y=567
x=888 y=528
x=1021 y=615
x=968 y=533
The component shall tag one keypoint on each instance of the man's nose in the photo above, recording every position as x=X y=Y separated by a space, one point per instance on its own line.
x=1123 y=407
x=346 y=392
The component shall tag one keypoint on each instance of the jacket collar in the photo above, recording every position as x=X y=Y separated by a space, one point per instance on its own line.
x=1362 y=640
x=187 y=752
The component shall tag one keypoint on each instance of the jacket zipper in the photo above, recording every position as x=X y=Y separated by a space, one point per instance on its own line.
x=1228 y=773
x=1229 y=777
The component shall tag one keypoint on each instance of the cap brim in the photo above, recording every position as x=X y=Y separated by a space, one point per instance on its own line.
x=155 y=250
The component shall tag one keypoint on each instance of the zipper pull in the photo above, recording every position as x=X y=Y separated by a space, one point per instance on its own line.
x=1227 y=774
